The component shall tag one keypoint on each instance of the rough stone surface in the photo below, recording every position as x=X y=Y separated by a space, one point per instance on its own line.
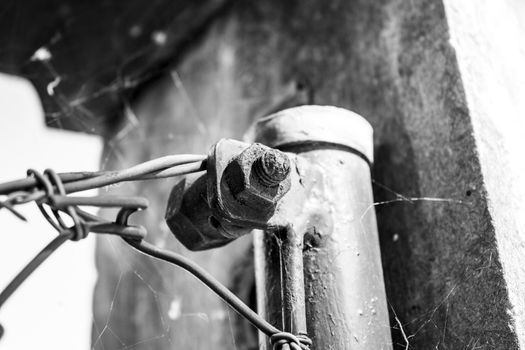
x=391 y=61
x=494 y=89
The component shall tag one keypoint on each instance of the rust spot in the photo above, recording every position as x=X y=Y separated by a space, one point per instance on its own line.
x=313 y=238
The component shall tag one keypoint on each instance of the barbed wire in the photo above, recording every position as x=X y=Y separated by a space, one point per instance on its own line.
x=50 y=190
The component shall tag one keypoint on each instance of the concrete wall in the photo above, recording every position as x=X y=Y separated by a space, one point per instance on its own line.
x=488 y=38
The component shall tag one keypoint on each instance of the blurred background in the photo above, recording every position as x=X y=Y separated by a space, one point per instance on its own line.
x=59 y=296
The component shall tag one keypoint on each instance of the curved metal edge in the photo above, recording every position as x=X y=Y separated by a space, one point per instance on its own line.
x=312 y=123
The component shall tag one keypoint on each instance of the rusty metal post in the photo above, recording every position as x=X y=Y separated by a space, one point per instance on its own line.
x=328 y=215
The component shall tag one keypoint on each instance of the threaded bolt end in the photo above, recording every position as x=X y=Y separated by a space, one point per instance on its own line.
x=272 y=168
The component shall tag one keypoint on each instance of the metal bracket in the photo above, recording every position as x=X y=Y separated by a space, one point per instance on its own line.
x=239 y=192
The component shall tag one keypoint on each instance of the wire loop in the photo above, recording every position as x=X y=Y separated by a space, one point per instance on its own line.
x=288 y=341
x=80 y=231
x=50 y=181
x=57 y=223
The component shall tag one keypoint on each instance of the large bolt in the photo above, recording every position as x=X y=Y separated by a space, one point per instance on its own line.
x=252 y=184
x=271 y=168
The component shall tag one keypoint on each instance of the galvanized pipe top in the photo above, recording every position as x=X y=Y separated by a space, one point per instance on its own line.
x=311 y=124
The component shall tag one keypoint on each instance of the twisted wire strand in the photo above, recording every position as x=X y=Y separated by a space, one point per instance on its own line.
x=83 y=222
x=53 y=194
x=163 y=167
x=13 y=211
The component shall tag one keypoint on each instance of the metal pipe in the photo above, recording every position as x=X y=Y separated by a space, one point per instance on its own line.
x=267 y=257
x=292 y=277
x=330 y=211
x=280 y=280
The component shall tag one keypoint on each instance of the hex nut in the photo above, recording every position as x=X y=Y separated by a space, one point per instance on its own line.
x=258 y=178
x=188 y=215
